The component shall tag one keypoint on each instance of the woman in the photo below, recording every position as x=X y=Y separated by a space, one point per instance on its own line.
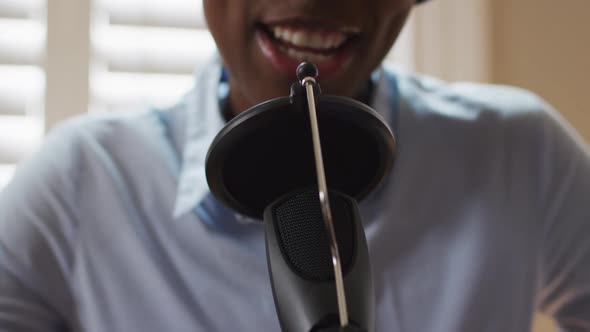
x=111 y=227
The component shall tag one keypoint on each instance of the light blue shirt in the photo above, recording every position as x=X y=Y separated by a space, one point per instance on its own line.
x=485 y=219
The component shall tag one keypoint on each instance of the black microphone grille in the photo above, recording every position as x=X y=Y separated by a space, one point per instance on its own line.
x=303 y=237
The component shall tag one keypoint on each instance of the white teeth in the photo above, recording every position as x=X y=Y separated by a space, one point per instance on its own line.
x=300 y=39
x=304 y=56
x=307 y=39
x=316 y=41
x=278 y=32
x=287 y=34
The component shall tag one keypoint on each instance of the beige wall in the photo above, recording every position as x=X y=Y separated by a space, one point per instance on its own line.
x=540 y=45
x=544 y=46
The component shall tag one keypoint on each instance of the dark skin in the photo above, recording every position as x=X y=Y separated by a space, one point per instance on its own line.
x=252 y=80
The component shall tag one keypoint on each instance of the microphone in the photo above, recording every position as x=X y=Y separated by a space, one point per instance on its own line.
x=300 y=264
x=273 y=162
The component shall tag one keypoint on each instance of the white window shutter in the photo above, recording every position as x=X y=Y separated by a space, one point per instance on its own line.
x=145 y=52
x=22 y=81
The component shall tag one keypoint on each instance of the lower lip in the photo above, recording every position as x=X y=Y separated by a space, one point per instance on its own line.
x=287 y=66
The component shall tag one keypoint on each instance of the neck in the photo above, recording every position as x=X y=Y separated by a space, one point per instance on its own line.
x=365 y=96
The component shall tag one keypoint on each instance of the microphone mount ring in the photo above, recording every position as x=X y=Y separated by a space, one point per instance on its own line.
x=309 y=82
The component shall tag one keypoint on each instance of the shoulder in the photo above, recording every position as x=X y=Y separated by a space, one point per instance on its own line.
x=50 y=182
x=40 y=209
x=509 y=129
x=488 y=113
x=467 y=101
x=110 y=128
x=47 y=182
x=116 y=133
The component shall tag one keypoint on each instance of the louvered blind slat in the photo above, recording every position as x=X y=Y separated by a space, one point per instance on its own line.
x=21 y=41
x=124 y=90
x=170 y=13
x=151 y=50
x=21 y=8
x=21 y=90
x=19 y=136
x=146 y=52
x=22 y=81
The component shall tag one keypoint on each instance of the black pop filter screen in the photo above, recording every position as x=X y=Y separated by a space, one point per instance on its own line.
x=267 y=152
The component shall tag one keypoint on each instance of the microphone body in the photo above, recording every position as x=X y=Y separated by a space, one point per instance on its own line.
x=300 y=265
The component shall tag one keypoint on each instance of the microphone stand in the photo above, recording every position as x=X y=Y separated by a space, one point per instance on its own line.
x=307 y=73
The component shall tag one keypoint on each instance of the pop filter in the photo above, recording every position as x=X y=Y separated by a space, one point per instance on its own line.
x=266 y=152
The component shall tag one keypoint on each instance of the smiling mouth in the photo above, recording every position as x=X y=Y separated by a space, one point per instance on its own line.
x=286 y=45
x=304 y=43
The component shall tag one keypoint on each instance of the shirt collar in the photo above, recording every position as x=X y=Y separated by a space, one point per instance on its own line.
x=204 y=120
